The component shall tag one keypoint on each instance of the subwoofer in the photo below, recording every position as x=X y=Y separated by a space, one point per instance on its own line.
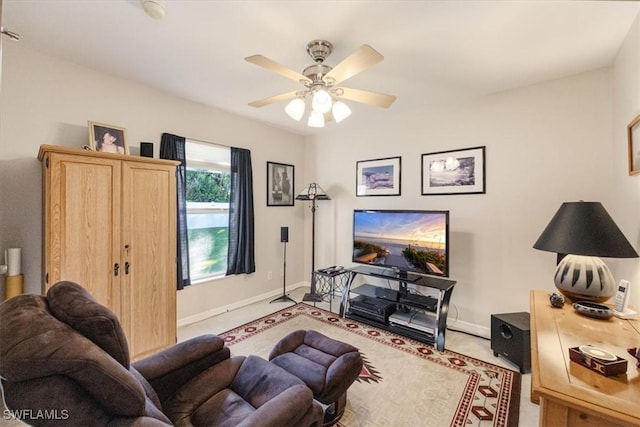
x=511 y=338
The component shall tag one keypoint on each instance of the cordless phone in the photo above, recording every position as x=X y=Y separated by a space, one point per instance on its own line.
x=622 y=296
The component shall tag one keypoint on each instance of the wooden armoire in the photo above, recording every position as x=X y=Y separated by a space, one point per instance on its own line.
x=109 y=224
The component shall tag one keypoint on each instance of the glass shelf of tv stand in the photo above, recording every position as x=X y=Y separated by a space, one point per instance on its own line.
x=432 y=323
x=416 y=318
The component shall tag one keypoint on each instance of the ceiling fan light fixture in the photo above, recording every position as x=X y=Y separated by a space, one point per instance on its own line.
x=340 y=111
x=295 y=109
x=322 y=84
x=316 y=120
x=321 y=101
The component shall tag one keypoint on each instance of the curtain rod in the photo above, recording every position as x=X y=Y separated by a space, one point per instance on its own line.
x=206 y=142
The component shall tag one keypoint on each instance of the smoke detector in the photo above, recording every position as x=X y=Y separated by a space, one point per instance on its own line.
x=153 y=8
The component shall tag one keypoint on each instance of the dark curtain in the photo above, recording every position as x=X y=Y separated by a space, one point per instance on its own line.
x=241 y=258
x=173 y=147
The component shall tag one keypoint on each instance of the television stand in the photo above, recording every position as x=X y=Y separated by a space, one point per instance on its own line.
x=419 y=317
x=386 y=273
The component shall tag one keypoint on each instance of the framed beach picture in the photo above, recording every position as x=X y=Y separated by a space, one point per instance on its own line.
x=280 y=184
x=378 y=177
x=454 y=172
x=108 y=138
x=633 y=136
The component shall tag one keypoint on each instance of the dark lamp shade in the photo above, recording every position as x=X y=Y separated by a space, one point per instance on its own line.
x=584 y=228
x=312 y=192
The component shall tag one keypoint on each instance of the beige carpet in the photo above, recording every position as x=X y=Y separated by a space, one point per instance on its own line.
x=404 y=382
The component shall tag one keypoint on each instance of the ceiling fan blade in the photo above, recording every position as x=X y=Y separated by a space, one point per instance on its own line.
x=274 y=99
x=271 y=65
x=372 y=98
x=363 y=58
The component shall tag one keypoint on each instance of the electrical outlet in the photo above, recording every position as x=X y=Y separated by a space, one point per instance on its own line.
x=269 y=275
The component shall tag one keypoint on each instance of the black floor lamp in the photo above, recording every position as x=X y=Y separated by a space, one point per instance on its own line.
x=312 y=192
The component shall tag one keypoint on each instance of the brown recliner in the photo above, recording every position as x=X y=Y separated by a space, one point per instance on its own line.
x=64 y=360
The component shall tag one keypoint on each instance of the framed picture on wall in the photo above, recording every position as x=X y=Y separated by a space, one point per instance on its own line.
x=454 y=172
x=633 y=136
x=108 y=138
x=280 y=184
x=378 y=177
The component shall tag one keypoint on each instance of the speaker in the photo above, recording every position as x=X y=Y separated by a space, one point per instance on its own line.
x=146 y=149
x=511 y=338
x=284 y=234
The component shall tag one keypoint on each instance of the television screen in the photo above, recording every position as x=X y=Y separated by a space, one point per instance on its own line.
x=405 y=240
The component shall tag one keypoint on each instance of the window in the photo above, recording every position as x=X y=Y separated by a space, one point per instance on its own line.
x=208 y=189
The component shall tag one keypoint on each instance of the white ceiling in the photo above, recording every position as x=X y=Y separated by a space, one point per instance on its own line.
x=436 y=52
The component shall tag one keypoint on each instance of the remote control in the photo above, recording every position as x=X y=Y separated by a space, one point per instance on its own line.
x=622 y=296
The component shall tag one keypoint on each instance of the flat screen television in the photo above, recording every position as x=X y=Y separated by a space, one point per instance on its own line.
x=402 y=240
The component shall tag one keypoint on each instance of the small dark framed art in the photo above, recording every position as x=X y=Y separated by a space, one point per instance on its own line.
x=454 y=172
x=280 y=184
x=108 y=138
x=378 y=177
x=633 y=136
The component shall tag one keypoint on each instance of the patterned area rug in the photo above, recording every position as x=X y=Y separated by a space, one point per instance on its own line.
x=404 y=382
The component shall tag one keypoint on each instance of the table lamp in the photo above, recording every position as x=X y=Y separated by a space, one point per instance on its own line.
x=580 y=233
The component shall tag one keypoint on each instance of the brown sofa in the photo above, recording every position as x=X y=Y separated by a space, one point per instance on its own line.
x=64 y=360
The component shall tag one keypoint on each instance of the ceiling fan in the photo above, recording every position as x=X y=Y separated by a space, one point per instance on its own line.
x=322 y=84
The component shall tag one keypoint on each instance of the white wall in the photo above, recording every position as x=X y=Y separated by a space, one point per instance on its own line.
x=626 y=189
x=557 y=141
x=545 y=144
x=48 y=101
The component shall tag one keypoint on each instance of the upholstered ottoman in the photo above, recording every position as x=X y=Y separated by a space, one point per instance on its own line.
x=328 y=367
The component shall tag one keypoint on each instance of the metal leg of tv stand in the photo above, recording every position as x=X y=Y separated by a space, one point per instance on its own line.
x=441 y=318
x=344 y=301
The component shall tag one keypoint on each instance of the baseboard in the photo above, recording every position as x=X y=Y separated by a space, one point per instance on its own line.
x=219 y=310
x=471 y=329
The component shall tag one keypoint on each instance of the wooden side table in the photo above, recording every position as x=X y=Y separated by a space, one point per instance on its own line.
x=568 y=393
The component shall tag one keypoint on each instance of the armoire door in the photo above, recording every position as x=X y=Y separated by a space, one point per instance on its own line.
x=149 y=256
x=82 y=224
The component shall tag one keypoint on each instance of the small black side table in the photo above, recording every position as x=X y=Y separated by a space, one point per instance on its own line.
x=324 y=285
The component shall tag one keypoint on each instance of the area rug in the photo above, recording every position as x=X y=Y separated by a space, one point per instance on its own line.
x=403 y=382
